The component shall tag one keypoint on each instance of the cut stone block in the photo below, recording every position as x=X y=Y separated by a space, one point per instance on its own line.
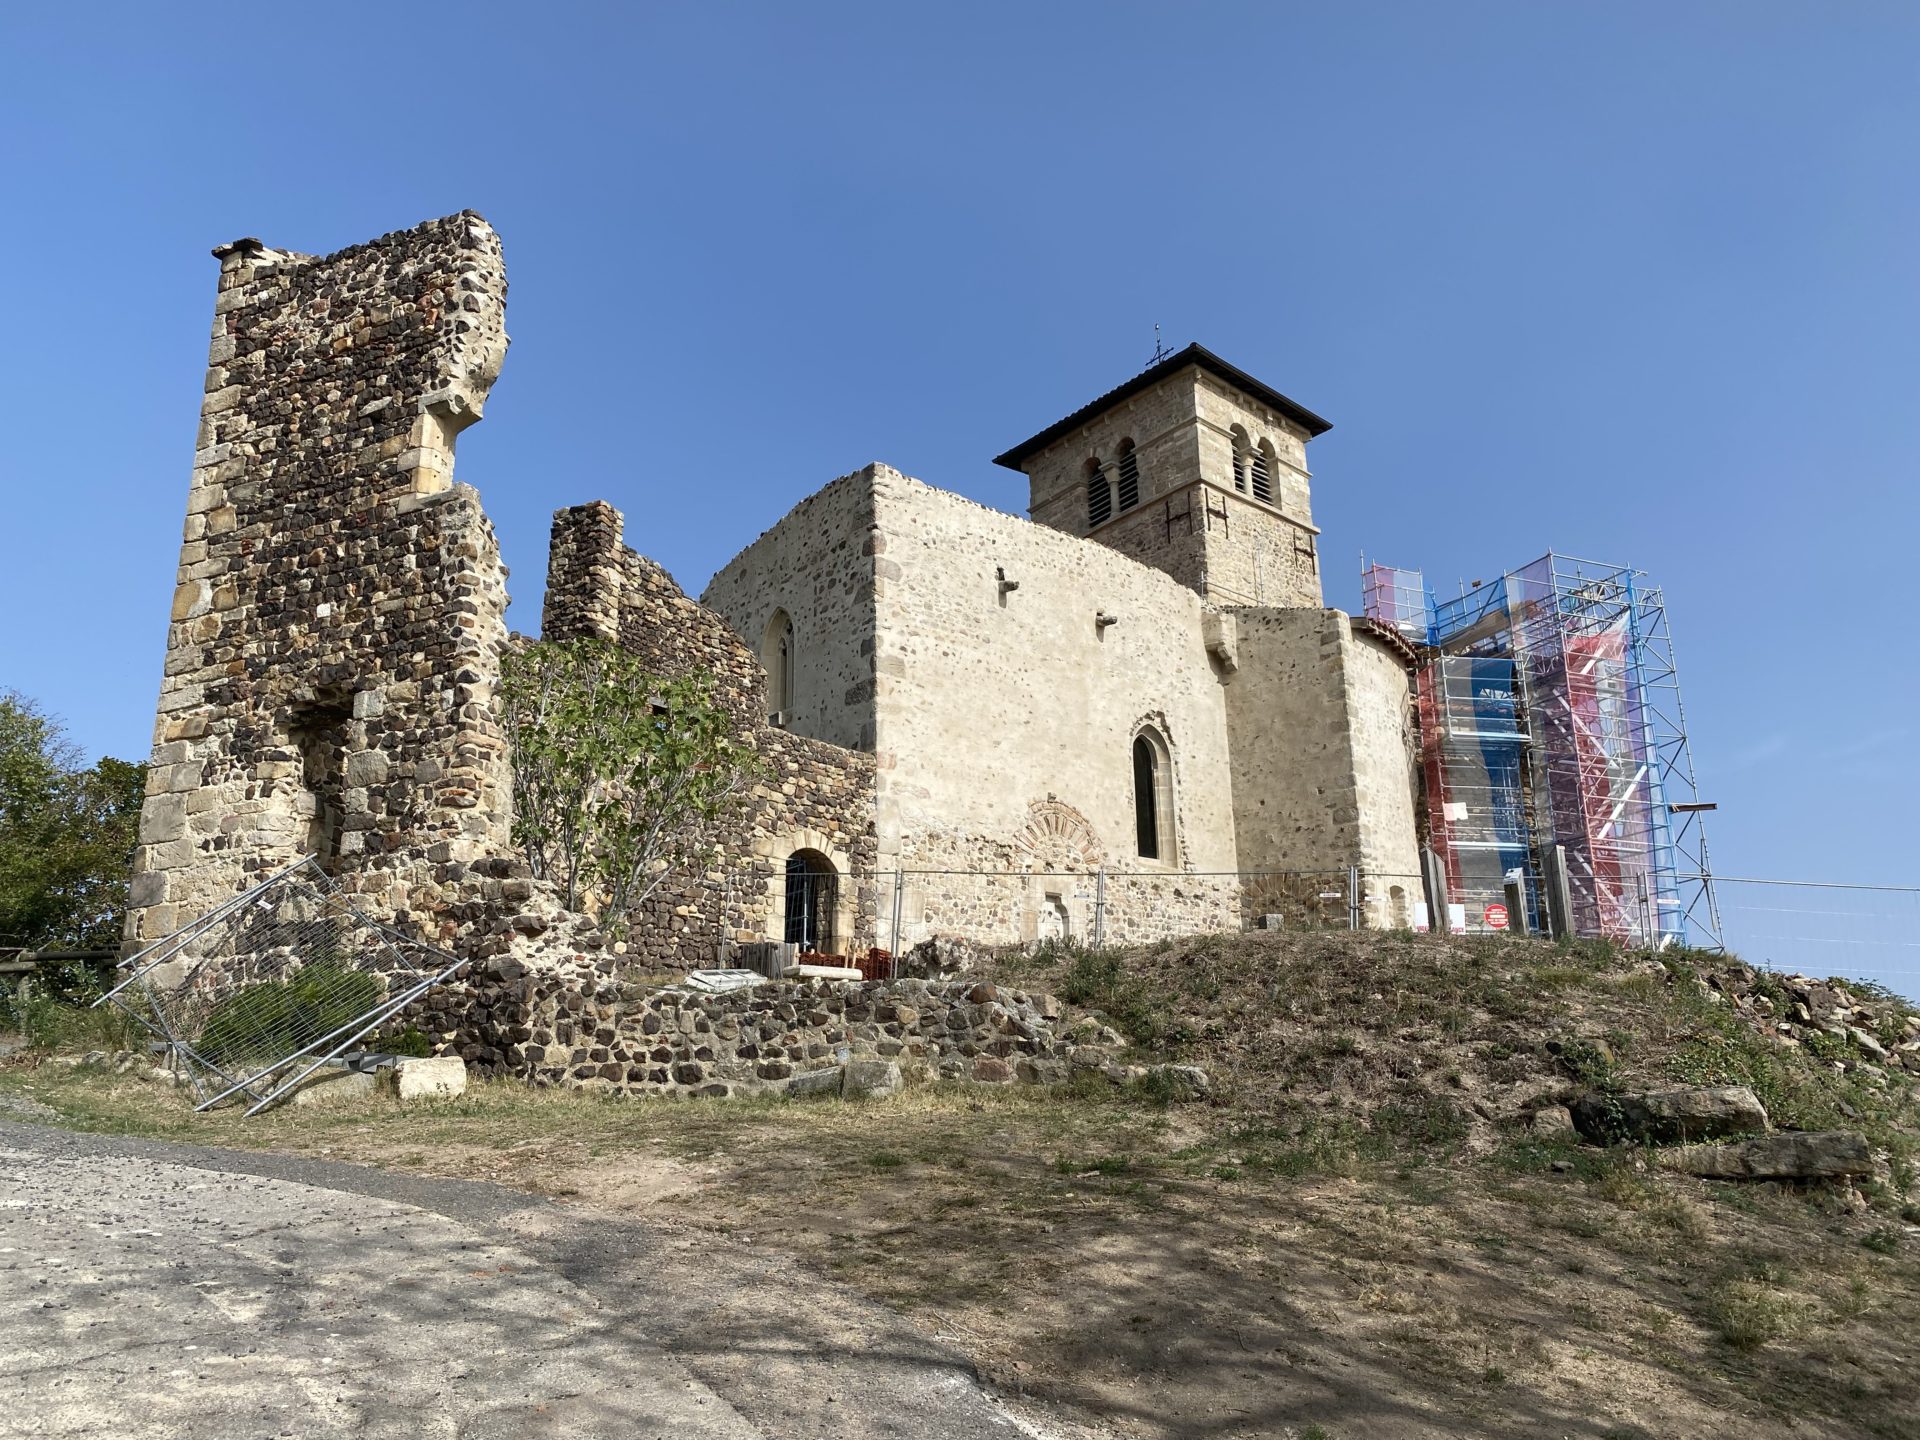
x=1665 y=1116
x=816 y=1082
x=871 y=1079
x=1811 y=1155
x=441 y=1078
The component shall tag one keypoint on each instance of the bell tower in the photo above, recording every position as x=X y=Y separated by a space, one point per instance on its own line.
x=1193 y=467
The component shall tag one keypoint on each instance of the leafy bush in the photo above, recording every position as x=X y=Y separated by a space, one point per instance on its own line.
x=409 y=1040
x=52 y=1008
x=66 y=833
x=621 y=778
x=1592 y=1065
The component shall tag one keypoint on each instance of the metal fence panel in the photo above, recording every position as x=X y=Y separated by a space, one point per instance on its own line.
x=1863 y=932
x=265 y=989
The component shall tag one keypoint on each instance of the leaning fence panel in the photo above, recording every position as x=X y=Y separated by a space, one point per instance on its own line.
x=256 y=996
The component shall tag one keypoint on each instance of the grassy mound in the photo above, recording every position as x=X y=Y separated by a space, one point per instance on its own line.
x=1321 y=1044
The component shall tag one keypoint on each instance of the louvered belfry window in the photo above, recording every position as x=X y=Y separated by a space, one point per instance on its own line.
x=1262 y=478
x=1129 y=476
x=1099 y=496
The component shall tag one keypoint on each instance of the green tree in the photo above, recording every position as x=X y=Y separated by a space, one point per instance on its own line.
x=67 y=834
x=621 y=777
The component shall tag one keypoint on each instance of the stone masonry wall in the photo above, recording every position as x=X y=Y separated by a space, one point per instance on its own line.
x=1321 y=753
x=338 y=619
x=1027 y=691
x=572 y=1020
x=818 y=565
x=816 y=796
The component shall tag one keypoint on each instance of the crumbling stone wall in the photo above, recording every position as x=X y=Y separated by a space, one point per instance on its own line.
x=574 y=1021
x=816 y=796
x=339 y=614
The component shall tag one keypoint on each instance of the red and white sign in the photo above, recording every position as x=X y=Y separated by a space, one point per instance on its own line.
x=1496 y=917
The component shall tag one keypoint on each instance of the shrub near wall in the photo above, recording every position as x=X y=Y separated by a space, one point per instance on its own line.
x=575 y=1022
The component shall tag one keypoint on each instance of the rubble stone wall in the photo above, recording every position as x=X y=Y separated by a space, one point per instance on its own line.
x=339 y=611
x=574 y=1021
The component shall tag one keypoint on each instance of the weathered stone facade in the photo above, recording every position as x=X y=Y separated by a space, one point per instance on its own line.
x=970 y=644
x=1217 y=492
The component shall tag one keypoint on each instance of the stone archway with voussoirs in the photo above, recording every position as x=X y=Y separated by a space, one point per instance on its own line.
x=1059 y=845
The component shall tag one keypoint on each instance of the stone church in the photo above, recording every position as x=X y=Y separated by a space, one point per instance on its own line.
x=1127 y=713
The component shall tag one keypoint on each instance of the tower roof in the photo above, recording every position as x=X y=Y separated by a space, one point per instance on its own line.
x=1153 y=374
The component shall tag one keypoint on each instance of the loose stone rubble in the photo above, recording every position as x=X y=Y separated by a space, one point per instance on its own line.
x=1877 y=1033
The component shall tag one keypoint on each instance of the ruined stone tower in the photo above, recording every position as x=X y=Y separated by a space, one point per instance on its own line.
x=339 y=614
x=1194 y=467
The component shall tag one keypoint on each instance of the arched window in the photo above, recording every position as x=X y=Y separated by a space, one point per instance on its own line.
x=1241 y=446
x=813 y=891
x=1099 y=496
x=1263 y=467
x=776 y=653
x=1129 y=476
x=1152 y=797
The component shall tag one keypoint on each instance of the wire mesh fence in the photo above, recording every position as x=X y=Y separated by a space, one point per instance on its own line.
x=1114 y=906
x=260 y=993
x=1862 y=932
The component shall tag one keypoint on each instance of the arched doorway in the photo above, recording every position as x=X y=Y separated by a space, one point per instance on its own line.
x=813 y=894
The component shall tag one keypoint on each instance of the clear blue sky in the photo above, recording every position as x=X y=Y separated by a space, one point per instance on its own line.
x=1634 y=281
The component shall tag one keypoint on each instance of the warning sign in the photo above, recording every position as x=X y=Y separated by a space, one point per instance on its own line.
x=1496 y=917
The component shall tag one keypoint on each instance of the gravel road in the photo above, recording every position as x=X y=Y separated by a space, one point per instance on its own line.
x=158 y=1290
